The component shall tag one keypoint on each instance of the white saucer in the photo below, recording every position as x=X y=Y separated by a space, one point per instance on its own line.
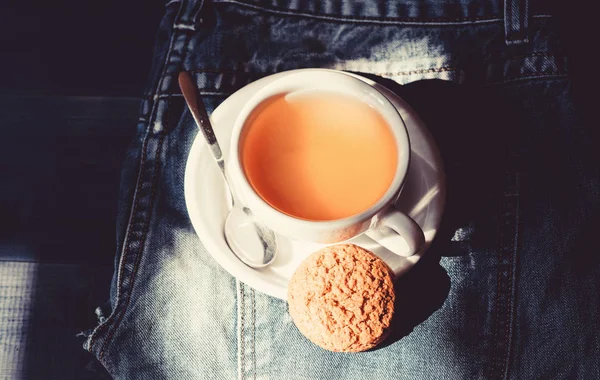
x=423 y=197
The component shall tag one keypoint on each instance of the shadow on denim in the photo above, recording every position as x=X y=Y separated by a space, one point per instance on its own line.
x=474 y=131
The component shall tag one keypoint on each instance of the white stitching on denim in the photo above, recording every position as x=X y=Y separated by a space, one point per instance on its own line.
x=366 y=20
x=184 y=26
x=218 y=93
x=362 y=20
x=240 y=327
x=516 y=42
x=514 y=276
x=253 y=333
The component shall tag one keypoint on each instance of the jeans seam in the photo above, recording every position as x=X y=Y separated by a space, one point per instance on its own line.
x=167 y=113
x=496 y=313
x=434 y=70
x=140 y=249
x=527 y=77
x=504 y=304
x=256 y=74
x=119 y=311
x=125 y=253
x=513 y=278
x=371 y=20
x=254 y=334
x=241 y=319
x=203 y=93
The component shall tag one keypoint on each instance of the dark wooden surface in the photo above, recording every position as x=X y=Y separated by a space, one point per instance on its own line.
x=60 y=162
x=71 y=76
x=71 y=47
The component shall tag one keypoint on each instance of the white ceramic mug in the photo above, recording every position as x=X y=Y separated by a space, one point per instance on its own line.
x=381 y=221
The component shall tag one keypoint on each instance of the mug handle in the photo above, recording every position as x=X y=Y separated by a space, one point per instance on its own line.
x=400 y=228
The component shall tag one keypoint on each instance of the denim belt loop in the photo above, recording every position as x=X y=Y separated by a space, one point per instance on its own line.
x=516 y=22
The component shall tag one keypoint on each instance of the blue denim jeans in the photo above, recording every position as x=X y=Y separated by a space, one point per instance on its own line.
x=510 y=287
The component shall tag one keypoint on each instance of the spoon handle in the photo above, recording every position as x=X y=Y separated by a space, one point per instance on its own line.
x=268 y=239
x=196 y=105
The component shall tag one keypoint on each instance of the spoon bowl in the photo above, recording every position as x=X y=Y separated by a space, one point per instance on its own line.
x=256 y=249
